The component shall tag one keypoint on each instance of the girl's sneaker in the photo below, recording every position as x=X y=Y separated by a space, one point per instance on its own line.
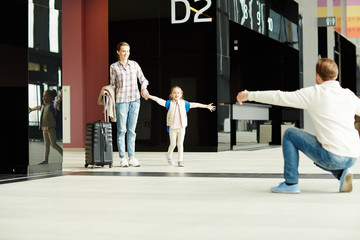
x=44 y=162
x=180 y=164
x=169 y=160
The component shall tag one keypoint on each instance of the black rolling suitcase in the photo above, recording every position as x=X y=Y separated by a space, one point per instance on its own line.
x=98 y=143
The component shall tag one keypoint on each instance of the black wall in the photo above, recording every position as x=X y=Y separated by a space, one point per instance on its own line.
x=345 y=57
x=14 y=79
x=170 y=54
x=199 y=57
x=261 y=63
x=13 y=87
x=322 y=42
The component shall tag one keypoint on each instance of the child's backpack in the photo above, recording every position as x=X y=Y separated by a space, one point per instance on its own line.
x=58 y=117
x=167 y=105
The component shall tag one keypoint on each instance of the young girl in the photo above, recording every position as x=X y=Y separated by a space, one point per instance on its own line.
x=48 y=122
x=176 y=120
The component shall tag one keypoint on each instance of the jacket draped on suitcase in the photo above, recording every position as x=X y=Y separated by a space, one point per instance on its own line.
x=98 y=142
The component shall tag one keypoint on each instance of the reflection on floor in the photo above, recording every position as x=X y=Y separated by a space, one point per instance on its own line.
x=36 y=153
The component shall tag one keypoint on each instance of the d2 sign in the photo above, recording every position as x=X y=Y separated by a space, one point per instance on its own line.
x=188 y=9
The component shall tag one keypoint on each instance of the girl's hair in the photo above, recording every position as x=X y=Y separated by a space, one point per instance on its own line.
x=327 y=69
x=172 y=89
x=119 y=45
x=51 y=93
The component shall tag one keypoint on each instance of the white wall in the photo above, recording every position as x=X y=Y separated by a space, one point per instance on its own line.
x=330 y=32
x=308 y=10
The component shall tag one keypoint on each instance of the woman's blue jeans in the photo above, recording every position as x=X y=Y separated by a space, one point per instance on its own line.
x=127 y=115
x=295 y=140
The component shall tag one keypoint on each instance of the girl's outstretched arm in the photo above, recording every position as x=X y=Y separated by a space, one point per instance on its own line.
x=200 y=105
x=37 y=108
x=159 y=101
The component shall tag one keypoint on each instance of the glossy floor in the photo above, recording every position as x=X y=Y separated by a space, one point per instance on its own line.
x=221 y=195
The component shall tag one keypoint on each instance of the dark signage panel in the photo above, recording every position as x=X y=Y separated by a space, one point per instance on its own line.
x=326 y=21
x=274 y=19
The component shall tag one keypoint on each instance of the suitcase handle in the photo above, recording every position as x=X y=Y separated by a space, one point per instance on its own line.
x=104 y=135
x=106 y=108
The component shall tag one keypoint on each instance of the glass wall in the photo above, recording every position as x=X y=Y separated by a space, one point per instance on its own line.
x=44 y=89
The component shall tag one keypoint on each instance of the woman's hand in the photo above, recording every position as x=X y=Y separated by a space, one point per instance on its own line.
x=145 y=94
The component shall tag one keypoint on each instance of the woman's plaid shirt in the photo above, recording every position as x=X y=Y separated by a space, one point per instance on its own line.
x=124 y=81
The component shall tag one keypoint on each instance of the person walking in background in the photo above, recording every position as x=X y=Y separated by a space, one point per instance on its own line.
x=176 y=120
x=48 y=122
x=336 y=145
x=123 y=78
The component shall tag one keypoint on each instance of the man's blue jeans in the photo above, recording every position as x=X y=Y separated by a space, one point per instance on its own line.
x=295 y=140
x=126 y=119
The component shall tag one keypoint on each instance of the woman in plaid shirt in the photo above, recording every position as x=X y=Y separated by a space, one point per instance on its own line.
x=123 y=78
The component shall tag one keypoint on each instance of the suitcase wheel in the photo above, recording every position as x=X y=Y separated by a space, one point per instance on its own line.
x=110 y=165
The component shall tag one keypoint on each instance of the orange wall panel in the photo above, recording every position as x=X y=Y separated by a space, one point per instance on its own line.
x=96 y=55
x=85 y=61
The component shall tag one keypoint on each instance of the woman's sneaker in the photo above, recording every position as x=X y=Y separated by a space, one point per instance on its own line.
x=180 y=164
x=124 y=162
x=134 y=162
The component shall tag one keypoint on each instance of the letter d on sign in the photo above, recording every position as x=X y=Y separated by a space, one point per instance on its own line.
x=173 y=11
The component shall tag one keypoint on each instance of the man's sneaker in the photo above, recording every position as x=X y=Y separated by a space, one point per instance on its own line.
x=124 y=162
x=283 y=188
x=134 y=162
x=180 y=164
x=169 y=160
x=346 y=181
